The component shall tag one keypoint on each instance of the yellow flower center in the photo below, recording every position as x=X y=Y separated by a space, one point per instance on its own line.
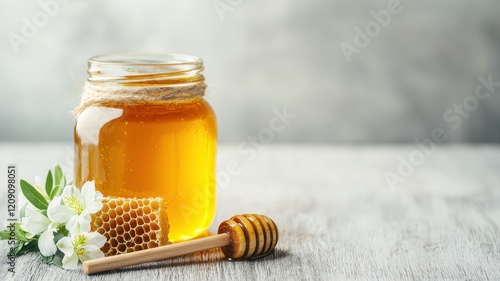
x=73 y=203
x=79 y=240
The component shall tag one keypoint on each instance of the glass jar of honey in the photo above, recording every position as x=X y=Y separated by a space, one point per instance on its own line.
x=143 y=130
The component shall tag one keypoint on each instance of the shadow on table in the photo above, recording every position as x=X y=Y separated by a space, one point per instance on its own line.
x=209 y=256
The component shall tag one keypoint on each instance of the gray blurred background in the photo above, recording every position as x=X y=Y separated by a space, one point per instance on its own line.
x=266 y=55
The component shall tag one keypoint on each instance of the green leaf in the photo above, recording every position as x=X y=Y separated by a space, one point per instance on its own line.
x=60 y=191
x=63 y=232
x=58 y=175
x=49 y=183
x=63 y=181
x=33 y=196
x=21 y=234
x=55 y=192
x=23 y=248
x=55 y=259
x=58 y=236
x=5 y=234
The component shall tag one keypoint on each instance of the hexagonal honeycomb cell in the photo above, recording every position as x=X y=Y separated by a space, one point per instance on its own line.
x=131 y=224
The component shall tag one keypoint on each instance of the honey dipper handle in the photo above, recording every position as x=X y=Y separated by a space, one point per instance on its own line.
x=155 y=254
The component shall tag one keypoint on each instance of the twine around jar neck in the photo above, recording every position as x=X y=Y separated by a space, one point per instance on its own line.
x=95 y=94
x=136 y=78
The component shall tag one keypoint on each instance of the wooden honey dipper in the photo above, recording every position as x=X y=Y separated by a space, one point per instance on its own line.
x=246 y=236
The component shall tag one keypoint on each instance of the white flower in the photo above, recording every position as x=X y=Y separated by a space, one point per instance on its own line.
x=78 y=206
x=80 y=246
x=40 y=189
x=36 y=223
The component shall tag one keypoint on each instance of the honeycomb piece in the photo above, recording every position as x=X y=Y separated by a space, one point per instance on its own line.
x=131 y=224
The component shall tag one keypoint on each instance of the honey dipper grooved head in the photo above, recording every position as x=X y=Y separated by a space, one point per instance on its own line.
x=251 y=236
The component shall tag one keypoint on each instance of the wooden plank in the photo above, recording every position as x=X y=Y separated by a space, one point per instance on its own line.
x=337 y=216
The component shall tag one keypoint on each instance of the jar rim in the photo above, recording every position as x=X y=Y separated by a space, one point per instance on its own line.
x=136 y=67
x=131 y=58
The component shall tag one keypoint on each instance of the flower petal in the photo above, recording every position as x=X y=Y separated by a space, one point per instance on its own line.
x=77 y=193
x=66 y=246
x=60 y=214
x=34 y=222
x=56 y=201
x=96 y=239
x=88 y=192
x=70 y=261
x=46 y=243
x=53 y=226
x=84 y=220
x=73 y=226
x=34 y=214
x=91 y=252
x=78 y=223
x=30 y=235
x=67 y=191
x=98 y=196
x=93 y=207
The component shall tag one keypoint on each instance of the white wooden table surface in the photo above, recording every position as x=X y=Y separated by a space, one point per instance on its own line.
x=338 y=217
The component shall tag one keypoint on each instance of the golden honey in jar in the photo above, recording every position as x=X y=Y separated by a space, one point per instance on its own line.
x=143 y=129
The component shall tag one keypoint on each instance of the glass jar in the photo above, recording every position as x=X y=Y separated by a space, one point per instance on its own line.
x=140 y=142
